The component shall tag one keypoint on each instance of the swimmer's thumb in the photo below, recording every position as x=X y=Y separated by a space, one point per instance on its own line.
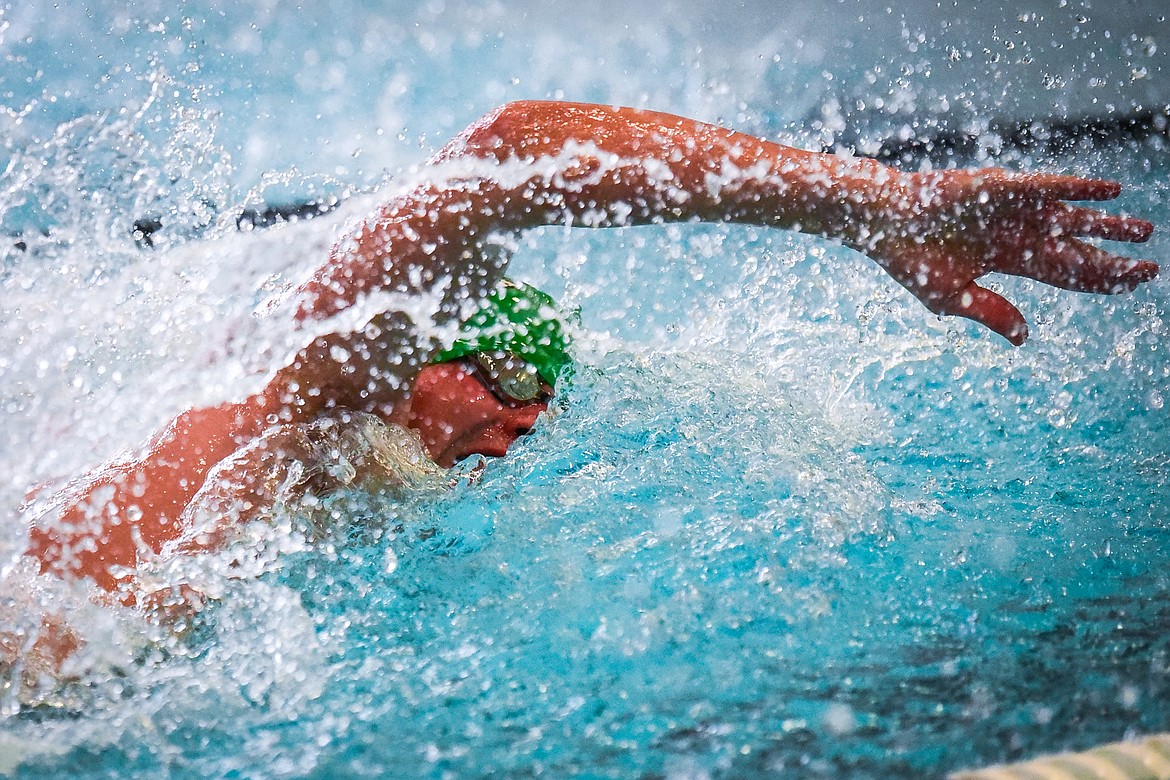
x=989 y=309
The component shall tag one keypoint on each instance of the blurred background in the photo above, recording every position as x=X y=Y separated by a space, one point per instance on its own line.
x=348 y=90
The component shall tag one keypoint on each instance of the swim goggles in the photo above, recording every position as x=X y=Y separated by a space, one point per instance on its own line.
x=519 y=320
x=510 y=379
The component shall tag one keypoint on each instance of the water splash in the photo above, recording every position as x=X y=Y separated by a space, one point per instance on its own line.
x=785 y=521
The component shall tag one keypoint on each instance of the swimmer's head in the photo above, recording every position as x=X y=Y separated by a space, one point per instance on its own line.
x=489 y=386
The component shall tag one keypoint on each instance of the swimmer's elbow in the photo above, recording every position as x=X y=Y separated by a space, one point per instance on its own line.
x=514 y=129
x=483 y=136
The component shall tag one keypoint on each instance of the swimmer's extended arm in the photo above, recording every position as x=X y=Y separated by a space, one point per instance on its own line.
x=599 y=166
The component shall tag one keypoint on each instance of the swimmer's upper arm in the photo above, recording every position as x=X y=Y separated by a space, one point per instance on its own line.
x=427 y=236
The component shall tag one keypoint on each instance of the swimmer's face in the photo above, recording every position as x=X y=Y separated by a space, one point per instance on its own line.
x=457 y=415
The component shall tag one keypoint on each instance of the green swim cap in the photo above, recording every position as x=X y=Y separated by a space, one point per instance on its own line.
x=518 y=319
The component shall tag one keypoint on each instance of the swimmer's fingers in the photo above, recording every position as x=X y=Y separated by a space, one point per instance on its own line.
x=1074 y=265
x=1089 y=223
x=988 y=309
x=1053 y=186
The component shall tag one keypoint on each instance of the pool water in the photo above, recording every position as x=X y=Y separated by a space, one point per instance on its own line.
x=782 y=522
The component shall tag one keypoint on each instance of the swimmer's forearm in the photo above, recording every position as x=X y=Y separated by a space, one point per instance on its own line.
x=600 y=166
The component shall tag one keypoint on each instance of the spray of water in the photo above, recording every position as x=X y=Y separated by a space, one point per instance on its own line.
x=753 y=535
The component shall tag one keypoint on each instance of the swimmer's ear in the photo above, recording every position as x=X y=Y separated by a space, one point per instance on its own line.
x=988 y=309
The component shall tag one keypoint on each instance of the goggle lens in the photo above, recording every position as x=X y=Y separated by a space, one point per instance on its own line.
x=510 y=378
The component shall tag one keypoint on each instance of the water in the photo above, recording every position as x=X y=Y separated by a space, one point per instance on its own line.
x=785 y=521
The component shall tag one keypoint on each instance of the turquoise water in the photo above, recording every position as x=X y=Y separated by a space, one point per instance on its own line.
x=785 y=521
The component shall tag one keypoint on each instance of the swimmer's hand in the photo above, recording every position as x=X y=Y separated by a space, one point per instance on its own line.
x=940 y=231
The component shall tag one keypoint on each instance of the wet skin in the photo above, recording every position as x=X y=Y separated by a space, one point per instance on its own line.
x=457 y=415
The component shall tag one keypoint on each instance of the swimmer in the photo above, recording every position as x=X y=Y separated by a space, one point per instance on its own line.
x=387 y=388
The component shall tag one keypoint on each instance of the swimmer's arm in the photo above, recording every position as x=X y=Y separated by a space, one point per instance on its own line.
x=600 y=166
x=97 y=527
